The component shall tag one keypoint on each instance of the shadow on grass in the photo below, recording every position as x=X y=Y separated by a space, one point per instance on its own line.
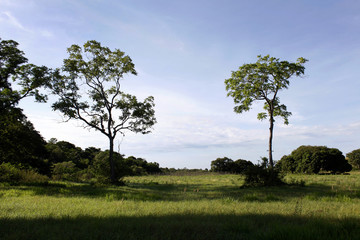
x=180 y=192
x=182 y=227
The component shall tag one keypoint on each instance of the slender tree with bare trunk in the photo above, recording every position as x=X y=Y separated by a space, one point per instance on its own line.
x=262 y=81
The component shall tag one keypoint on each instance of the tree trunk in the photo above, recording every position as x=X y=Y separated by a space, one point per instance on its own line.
x=271 y=113
x=111 y=161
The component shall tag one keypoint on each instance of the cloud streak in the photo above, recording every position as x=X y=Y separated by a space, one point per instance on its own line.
x=8 y=18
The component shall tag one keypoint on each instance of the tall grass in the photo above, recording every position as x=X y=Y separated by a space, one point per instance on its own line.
x=208 y=206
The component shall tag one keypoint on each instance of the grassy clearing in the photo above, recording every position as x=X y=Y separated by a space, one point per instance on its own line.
x=184 y=207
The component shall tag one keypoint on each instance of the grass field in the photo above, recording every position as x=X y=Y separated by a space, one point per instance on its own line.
x=208 y=206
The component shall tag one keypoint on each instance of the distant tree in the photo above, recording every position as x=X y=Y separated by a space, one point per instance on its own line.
x=222 y=165
x=313 y=159
x=152 y=167
x=90 y=153
x=140 y=166
x=354 y=158
x=287 y=164
x=89 y=90
x=63 y=151
x=240 y=166
x=262 y=81
x=64 y=171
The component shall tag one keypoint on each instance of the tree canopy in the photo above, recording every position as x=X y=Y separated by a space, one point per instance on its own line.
x=262 y=81
x=28 y=77
x=354 y=158
x=228 y=165
x=313 y=159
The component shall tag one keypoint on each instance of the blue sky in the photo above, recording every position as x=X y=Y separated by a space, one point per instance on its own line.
x=184 y=50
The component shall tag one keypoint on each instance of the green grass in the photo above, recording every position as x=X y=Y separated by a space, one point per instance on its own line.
x=206 y=206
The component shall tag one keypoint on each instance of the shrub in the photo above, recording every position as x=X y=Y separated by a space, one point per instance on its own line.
x=137 y=171
x=9 y=173
x=30 y=176
x=65 y=171
x=12 y=174
x=354 y=158
x=257 y=176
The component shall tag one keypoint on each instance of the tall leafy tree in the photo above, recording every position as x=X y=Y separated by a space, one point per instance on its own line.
x=20 y=143
x=262 y=81
x=88 y=87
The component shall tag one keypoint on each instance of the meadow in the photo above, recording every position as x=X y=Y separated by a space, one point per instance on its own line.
x=203 y=206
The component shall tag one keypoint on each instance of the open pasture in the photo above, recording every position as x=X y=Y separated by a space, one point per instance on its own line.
x=207 y=206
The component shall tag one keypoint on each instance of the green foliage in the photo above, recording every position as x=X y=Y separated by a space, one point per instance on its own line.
x=222 y=165
x=64 y=171
x=72 y=163
x=261 y=81
x=354 y=158
x=101 y=167
x=313 y=159
x=257 y=176
x=97 y=71
x=20 y=143
x=28 y=77
x=62 y=151
x=287 y=164
x=140 y=166
x=11 y=174
x=228 y=165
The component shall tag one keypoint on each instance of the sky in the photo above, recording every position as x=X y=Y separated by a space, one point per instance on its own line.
x=183 y=51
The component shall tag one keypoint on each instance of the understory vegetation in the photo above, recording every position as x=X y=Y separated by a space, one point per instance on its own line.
x=204 y=206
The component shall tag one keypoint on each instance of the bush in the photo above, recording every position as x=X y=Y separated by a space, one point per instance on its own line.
x=65 y=171
x=11 y=174
x=354 y=158
x=257 y=176
x=313 y=159
x=101 y=167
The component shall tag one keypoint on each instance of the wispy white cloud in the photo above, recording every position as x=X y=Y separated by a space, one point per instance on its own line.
x=7 y=18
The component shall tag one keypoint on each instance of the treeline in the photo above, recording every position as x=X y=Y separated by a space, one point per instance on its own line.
x=26 y=156
x=304 y=159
